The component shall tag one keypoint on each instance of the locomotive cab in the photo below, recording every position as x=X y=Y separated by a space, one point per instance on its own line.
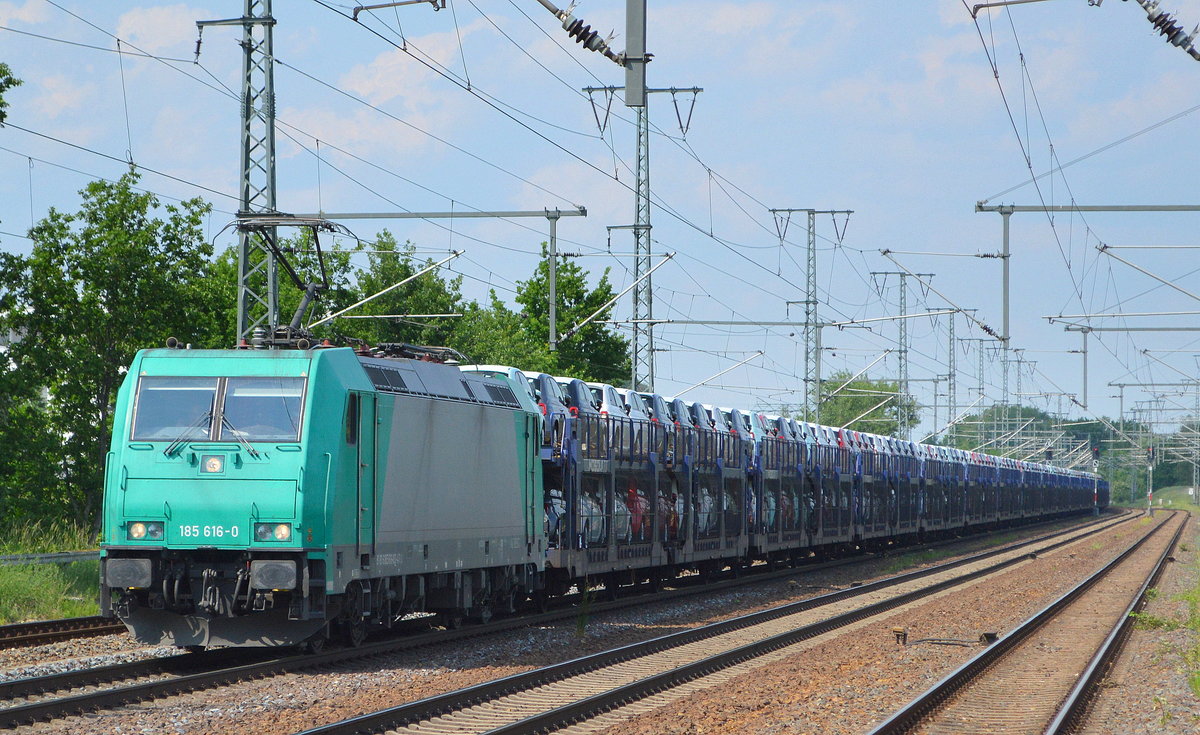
x=205 y=499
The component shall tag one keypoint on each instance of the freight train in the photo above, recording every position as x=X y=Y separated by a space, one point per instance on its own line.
x=279 y=497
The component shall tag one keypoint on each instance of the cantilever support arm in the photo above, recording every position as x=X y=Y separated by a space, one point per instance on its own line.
x=398 y=284
x=571 y=332
x=1108 y=251
x=717 y=375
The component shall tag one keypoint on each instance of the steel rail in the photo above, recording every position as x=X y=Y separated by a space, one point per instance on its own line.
x=217 y=669
x=412 y=712
x=45 y=631
x=909 y=717
x=179 y=664
x=53 y=557
x=1074 y=708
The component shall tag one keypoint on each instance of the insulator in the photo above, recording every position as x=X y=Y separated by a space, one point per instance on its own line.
x=582 y=33
x=1167 y=26
x=591 y=40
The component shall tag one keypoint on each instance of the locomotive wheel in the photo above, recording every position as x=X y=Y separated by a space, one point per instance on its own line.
x=316 y=643
x=356 y=633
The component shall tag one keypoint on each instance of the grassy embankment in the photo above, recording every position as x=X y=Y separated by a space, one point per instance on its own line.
x=1189 y=615
x=46 y=591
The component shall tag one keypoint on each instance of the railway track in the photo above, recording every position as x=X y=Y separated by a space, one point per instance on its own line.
x=48 y=631
x=59 y=695
x=1038 y=677
x=552 y=697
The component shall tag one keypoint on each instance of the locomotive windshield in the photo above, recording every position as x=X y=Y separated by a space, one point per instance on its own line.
x=252 y=409
x=168 y=408
x=262 y=409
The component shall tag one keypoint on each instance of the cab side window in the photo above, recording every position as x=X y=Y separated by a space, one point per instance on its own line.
x=352 y=419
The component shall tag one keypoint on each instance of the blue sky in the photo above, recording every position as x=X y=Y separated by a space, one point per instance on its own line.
x=889 y=109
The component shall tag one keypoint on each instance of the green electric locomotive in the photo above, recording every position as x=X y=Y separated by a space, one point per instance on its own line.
x=276 y=497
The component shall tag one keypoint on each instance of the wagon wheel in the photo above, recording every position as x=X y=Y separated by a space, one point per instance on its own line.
x=539 y=601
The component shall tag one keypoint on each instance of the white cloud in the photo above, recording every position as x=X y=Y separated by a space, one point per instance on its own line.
x=417 y=103
x=731 y=19
x=945 y=77
x=33 y=11
x=1160 y=97
x=396 y=73
x=605 y=199
x=754 y=36
x=953 y=13
x=170 y=28
x=368 y=133
x=59 y=94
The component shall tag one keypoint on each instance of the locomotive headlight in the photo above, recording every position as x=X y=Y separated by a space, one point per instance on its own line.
x=273 y=531
x=139 y=530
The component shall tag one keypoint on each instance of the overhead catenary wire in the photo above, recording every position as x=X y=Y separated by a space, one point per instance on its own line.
x=730 y=192
x=1077 y=291
x=664 y=206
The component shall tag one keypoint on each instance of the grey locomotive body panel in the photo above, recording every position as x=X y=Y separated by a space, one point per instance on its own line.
x=452 y=494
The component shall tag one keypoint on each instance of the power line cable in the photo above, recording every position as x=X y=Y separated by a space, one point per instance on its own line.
x=439 y=139
x=138 y=166
x=438 y=69
x=1102 y=149
x=97 y=177
x=225 y=90
x=91 y=46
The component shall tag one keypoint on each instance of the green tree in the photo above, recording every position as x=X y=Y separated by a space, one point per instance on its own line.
x=7 y=82
x=975 y=429
x=496 y=335
x=868 y=405
x=28 y=441
x=388 y=264
x=98 y=285
x=595 y=352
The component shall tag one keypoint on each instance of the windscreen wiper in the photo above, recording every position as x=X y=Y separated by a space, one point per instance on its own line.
x=240 y=436
x=187 y=433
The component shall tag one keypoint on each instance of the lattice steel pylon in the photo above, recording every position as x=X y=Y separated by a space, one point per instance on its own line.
x=258 y=292
x=812 y=332
x=952 y=383
x=642 y=346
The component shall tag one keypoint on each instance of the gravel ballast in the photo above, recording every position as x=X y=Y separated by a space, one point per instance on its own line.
x=850 y=680
x=1148 y=689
